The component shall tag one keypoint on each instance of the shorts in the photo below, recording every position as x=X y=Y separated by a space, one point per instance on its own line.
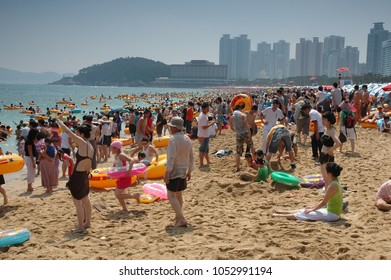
x=281 y=134
x=325 y=158
x=243 y=139
x=303 y=125
x=204 y=146
x=106 y=140
x=138 y=137
x=132 y=129
x=220 y=120
x=349 y=133
x=67 y=151
x=177 y=185
x=159 y=129
x=123 y=183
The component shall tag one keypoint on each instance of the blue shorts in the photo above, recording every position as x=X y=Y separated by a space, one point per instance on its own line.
x=204 y=146
x=281 y=134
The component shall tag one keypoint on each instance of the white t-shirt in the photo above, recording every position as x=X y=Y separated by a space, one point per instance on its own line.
x=212 y=130
x=272 y=117
x=64 y=141
x=316 y=116
x=202 y=121
x=321 y=96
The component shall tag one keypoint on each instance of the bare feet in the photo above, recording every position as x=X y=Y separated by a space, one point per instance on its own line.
x=136 y=196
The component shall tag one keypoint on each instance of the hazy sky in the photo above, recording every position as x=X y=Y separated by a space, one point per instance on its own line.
x=65 y=36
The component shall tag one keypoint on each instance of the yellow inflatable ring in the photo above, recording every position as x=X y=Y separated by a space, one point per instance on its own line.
x=155 y=171
x=160 y=142
x=242 y=98
x=10 y=163
x=100 y=180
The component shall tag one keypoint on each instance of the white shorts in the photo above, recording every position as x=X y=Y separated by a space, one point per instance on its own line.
x=30 y=170
x=319 y=215
x=349 y=133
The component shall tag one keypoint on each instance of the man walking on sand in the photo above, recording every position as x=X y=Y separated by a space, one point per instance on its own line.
x=238 y=123
x=203 y=134
x=180 y=164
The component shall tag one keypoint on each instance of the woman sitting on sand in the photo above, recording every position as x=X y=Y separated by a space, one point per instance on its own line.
x=78 y=183
x=332 y=200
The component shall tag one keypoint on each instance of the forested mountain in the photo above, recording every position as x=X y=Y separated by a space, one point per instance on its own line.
x=134 y=71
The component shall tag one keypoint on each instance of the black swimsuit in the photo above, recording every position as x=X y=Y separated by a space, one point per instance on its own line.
x=78 y=183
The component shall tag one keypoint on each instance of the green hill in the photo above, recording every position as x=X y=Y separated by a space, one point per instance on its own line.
x=134 y=71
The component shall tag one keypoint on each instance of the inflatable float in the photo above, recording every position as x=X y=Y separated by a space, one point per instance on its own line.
x=99 y=179
x=285 y=179
x=84 y=104
x=121 y=172
x=155 y=171
x=161 y=142
x=366 y=124
x=76 y=111
x=147 y=198
x=242 y=98
x=259 y=122
x=156 y=190
x=127 y=130
x=14 y=236
x=10 y=163
x=311 y=181
x=125 y=142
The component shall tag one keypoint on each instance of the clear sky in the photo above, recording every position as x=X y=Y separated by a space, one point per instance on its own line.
x=65 y=36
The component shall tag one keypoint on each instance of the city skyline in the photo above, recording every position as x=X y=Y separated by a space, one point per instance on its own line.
x=66 y=36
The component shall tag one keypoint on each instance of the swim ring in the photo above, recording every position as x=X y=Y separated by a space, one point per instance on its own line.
x=125 y=142
x=147 y=198
x=10 y=163
x=99 y=179
x=121 y=172
x=259 y=122
x=366 y=124
x=155 y=171
x=160 y=142
x=127 y=130
x=248 y=102
x=285 y=179
x=76 y=111
x=310 y=181
x=156 y=189
x=14 y=236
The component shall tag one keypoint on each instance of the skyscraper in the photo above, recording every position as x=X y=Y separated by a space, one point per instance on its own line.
x=385 y=67
x=309 y=57
x=235 y=53
x=280 y=59
x=374 y=47
x=332 y=51
x=260 y=62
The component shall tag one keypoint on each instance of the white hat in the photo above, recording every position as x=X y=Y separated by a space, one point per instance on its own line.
x=176 y=122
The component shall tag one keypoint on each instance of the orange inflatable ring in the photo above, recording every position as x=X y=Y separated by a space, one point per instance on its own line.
x=242 y=98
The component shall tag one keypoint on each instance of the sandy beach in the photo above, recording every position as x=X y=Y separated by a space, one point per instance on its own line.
x=229 y=218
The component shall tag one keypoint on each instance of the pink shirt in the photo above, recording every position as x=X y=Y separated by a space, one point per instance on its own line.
x=384 y=192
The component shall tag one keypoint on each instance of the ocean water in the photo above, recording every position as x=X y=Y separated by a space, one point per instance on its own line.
x=46 y=96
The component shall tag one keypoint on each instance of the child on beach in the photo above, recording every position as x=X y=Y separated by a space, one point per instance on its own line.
x=120 y=160
x=68 y=162
x=332 y=199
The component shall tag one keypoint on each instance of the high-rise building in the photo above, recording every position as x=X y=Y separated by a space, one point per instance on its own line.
x=242 y=57
x=374 y=47
x=309 y=57
x=332 y=50
x=280 y=59
x=260 y=62
x=350 y=58
x=235 y=53
x=385 y=67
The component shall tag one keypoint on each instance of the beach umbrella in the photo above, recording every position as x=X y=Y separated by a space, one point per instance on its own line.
x=343 y=69
x=387 y=88
x=313 y=78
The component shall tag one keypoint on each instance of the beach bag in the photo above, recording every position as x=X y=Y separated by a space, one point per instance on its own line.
x=327 y=140
x=342 y=137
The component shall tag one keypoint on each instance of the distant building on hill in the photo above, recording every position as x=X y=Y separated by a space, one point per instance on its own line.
x=195 y=73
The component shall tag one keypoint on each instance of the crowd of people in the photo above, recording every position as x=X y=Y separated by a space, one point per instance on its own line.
x=287 y=117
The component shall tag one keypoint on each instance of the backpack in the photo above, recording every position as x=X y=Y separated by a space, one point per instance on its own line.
x=348 y=119
x=298 y=108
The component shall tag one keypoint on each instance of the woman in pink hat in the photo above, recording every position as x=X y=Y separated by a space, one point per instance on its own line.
x=120 y=160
